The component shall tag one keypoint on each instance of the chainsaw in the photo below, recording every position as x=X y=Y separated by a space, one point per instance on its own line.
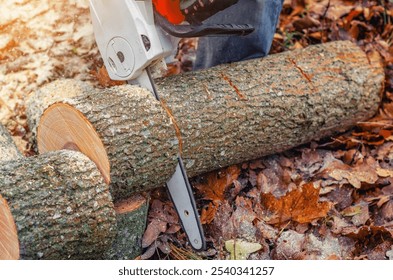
x=132 y=35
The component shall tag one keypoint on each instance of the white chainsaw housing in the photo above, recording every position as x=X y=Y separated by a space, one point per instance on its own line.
x=126 y=36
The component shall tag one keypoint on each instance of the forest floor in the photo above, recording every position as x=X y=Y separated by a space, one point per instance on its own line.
x=329 y=199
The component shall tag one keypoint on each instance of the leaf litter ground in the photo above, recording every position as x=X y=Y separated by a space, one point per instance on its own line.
x=330 y=199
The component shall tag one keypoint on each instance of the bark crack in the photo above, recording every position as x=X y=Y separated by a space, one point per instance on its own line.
x=226 y=78
x=304 y=74
x=172 y=117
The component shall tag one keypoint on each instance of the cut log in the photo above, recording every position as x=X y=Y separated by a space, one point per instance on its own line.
x=131 y=216
x=61 y=218
x=126 y=133
x=217 y=117
x=9 y=244
x=61 y=206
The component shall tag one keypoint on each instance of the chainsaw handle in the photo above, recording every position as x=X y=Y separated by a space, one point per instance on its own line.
x=187 y=31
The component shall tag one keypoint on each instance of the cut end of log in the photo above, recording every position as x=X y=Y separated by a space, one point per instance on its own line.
x=9 y=244
x=131 y=216
x=64 y=127
x=130 y=204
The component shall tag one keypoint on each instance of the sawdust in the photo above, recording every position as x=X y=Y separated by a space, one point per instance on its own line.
x=41 y=41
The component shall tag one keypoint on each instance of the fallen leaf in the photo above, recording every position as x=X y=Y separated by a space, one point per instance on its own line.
x=359 y=213
x=293 y=245
x=104 y=79
x=384 y=172
x=305 y=23
x=389 y=253
x=366 y=232
x=352 y=211
x=387 y=211
x=153 y=230
x=209 y=212
x=240 y=249
x=343 y=173
x=217 y=183
x=300 y=205
x=289 y=246
x=379 y=251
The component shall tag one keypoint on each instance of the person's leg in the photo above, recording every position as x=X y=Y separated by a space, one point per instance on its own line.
x=262 y=14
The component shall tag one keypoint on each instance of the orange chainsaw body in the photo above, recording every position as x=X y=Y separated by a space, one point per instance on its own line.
x=170 y=9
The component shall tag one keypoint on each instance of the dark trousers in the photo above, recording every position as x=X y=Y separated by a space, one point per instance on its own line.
x=262 y=14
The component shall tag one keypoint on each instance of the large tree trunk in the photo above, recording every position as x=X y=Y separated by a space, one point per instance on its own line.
x=216 y=117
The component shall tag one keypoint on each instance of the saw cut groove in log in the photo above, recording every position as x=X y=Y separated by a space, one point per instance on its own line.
x=227 y=114
x=9 y=244
x=133 y=129
x=131 y=216
x=61 y=206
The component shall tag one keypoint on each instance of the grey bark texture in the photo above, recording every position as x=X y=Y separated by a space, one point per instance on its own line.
x=61 y=206
x=137 y=134
x=50 y=93
x=231 y=113
x=8 y=149
x=130 y=228
x=241 y=111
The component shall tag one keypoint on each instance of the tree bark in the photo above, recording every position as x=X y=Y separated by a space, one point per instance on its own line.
x=131 y=216
x=8 y=149
x=61 y=206
x=50 y=93
x=124 y=130
x=241 y=111
x=221 y=116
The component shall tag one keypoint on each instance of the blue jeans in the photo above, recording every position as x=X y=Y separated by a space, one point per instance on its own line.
x=262 y=14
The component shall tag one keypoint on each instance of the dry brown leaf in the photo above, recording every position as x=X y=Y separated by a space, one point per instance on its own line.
x=300 y=205
x=305 y=23
x=387 y=211
x=359 y=213
x=209 y=212
x=104 y=79
x=366 y=231
x=384 y=172
x=217 y=183
x=343 y=173
x=153 y=230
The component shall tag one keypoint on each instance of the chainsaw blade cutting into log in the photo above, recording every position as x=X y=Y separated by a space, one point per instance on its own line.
x=132 y=36
x=178 y=186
